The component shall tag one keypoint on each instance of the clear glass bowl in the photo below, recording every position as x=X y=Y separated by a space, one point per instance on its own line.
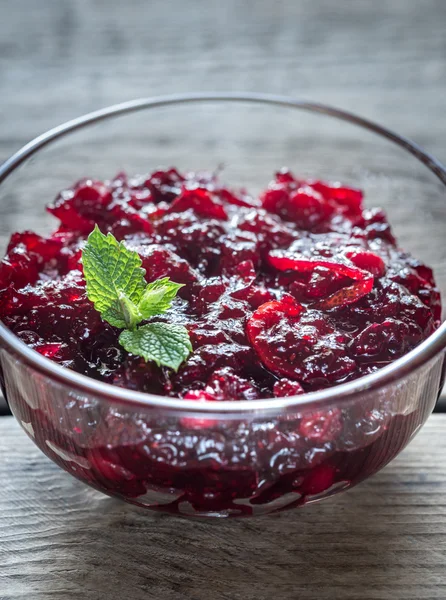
x=226 y=459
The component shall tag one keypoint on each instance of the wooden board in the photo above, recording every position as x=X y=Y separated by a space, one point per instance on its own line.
x=385 y=539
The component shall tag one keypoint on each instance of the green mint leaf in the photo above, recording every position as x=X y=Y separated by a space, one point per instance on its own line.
x=116 y=285
x=130 y=311
x=115 y=279
x=158 y=297
x=164 y=344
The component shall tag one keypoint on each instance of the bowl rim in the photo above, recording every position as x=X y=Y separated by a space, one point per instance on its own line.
x=409 y=363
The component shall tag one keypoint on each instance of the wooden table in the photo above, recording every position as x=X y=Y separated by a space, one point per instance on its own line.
x=385 y=60
x=385 y=539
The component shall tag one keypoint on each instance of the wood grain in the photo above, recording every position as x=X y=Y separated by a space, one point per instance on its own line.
x=385 y=539
x=387 y=61
x=59 y=59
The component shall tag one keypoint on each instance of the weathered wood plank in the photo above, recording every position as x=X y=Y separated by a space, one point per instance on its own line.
x=59 y=59
x=384 y=539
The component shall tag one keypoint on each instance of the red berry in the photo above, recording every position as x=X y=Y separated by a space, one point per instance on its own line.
x=367 y=261
x=201 y=202
x=241 y=198
x=287 y=387
x=351 y=293
x=344 y=196
x=318 y=480
x=198 y=422
x=321 y=426
x=298 y=344
x=165 y=186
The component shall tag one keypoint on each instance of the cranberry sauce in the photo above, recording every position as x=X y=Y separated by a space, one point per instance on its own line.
x=297 y=290
x=198 y=466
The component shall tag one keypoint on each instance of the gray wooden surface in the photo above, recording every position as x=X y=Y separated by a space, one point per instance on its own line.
x=385 y=60
x=385 y=539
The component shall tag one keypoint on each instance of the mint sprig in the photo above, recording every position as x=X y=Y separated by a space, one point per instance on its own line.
x=117 y=287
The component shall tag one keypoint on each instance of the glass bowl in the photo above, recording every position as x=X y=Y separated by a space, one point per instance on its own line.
x=226 y=459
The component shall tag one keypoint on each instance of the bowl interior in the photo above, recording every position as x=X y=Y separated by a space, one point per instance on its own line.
x=247 y=142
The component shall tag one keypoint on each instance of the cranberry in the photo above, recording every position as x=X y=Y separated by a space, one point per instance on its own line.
x=241 y=198
x=28 y=256
x=270 y=231
x=238 y=249
x=227 y=385
x=386 y=300
x=165 y=186
x=79 y=207
x=285 y=176
x=305 y=206
x=201 y=202
x=347 y=295
x=417 y=278
x=385 y=341
x=321 y=426
x=318 y=353
x=159 y=261
x=351 y=198
x=198 y=241
x=135 y=374
x=29 y=242
x=287 y=387
x=323 y=282
x=207 y=293
x=318 y=480
x=197 y=422
x=90 y=202
x=367 y=261
x=112 y=475
x=209 y=357
x=313 y=205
